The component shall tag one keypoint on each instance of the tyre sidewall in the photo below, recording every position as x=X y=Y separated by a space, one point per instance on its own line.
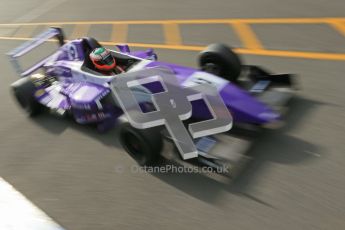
x=150 y=144
x=23 y=91
x=223 y=56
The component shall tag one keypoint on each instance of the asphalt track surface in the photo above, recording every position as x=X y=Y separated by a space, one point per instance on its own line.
x=295 y=179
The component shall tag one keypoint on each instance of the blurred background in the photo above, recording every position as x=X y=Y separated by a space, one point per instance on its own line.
x=295 y=178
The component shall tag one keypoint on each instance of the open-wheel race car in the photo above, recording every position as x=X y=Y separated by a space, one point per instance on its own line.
x=68 y=84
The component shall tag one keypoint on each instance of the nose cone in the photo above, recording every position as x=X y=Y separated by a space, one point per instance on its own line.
x=246 y=108
x=268 y=116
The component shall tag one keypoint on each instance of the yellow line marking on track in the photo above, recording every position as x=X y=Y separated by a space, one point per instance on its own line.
x=295 y=54
x=288 y=20
x=119 y=33
x=193 y=21
x=80 y=31
x=56 y=25
x=339 y=26
x=274 y=53
x=158 y=46
x=172 y=34
x=25 y=31
x=246 y=35
x=15 y=38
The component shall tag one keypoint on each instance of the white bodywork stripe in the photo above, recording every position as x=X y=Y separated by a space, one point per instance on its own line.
x=203 y=77
x=18 y=213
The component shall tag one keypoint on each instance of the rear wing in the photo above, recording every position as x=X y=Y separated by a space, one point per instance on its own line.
x=30 y=45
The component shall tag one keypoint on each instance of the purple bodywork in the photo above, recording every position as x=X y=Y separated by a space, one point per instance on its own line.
x=84 y=94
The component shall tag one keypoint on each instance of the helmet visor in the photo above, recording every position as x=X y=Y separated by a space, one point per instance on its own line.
x=108 y=60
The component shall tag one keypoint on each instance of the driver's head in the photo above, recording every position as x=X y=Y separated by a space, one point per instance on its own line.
x=102 y=59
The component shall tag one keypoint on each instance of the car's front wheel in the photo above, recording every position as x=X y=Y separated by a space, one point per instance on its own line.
x=221 y=60
x=143 y=145
x=23 y=91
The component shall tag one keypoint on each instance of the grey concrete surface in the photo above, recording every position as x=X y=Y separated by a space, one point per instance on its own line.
x=208 y=34
x=301 y=37
x=295 y=180
x=146 y=34
x=155 y=9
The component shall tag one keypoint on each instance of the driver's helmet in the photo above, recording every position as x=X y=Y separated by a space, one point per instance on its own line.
x=102 y=59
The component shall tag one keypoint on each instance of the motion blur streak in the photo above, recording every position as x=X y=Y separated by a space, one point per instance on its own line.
x=294 y=178
x=192 y=21
x=261 y=52
x=252 y=44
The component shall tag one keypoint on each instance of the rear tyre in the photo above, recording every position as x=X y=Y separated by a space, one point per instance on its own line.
x=221 y=60
x=23 y=91
x=143 y=145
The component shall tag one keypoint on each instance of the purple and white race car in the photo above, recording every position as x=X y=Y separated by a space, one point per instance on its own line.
x=67 y=84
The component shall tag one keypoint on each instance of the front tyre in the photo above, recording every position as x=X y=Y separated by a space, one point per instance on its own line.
x=221 y=60
x=23 y=91
x=143 y=145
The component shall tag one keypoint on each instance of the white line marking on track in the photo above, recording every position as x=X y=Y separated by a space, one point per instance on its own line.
x=312 y=153
x=18 y=213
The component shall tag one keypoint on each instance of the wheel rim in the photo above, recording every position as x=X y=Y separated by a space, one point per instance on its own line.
x=212 y=68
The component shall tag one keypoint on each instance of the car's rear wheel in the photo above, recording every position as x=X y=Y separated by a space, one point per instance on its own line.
x=143 y=145
x=23 y=91
x=221 y=60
